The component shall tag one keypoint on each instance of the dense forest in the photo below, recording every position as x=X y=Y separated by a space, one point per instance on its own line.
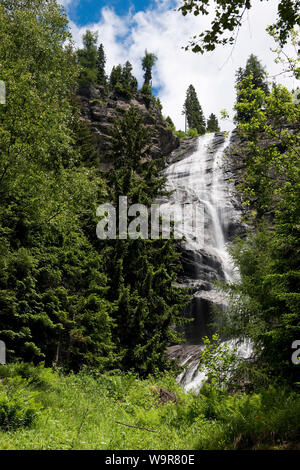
x=91 y=318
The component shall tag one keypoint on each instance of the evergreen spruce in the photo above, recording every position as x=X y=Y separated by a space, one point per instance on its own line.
x=129 y=82
x=115 y=76
x=148 y=61
x=142 y=271
x=53 y=302
x=170 y=123
x=122 y=81
x=266 y=301
x=193 y=111
x=212 y=124
x=256 y=71
x=101 y=61
x=87 y=58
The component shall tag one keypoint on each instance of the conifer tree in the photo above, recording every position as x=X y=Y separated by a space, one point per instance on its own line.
x=122 y=81
x=115 y=76
x=129 y=82
x=170 y=123
x=87 y=58
x=193 y=111
x=142 y=271
x=266 y=301
x=52 y=285
x=148 y=61
x=212 y=124
x=101 y=61
x=256 y=71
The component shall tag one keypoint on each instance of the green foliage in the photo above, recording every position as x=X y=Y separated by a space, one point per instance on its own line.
x=218 y=361
x=193 y=111
x=88 y=58
x=257 y=71
x=228 y=19
x=17 y=405
x=142 y=272
x=257 y=75
x=101 y=61
x=212 y=124
x=82 y=411
x=180 y=134
x=224 y=114
x=148 y=62
x=158 y=104
x=122 y=81
x=36 y=377
x=290 y=63
x=192 y=133
x=170 y=123
x=146 y=91
x=265 y=305
x=85 y=143
x=52 y=286
x=115 y=76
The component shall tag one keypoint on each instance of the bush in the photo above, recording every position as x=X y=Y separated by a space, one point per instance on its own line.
x=17 y=405
x=262 y=420
x=193 y=133
x=38 y=377
x=180 y=134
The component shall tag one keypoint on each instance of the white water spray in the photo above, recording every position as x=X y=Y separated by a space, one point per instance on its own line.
x=200 y=179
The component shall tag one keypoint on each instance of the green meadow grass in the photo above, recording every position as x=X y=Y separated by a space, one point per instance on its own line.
x=81 y=412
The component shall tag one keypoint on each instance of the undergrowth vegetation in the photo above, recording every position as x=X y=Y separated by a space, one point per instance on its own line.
x=44 y=409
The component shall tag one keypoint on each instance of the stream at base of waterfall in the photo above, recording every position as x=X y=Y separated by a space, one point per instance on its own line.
x=201 y=180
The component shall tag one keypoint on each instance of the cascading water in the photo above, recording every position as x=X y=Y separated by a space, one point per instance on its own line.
x=201 y=180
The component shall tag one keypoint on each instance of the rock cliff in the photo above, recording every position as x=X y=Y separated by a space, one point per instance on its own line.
x=100 y=110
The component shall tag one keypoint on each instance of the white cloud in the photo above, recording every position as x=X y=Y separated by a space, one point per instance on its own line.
x=111 y=29
x=163 y=31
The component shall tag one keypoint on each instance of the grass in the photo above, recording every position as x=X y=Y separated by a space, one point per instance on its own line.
x=81 y=412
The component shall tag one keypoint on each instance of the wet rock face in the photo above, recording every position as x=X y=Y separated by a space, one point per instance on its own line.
x=100 y=112
x=196 y=172
x=185 y=149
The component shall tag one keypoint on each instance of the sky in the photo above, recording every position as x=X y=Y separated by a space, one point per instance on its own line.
x=128 y=27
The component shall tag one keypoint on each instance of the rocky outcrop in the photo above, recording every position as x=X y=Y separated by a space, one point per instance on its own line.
x=100 y=110
x=187 y=146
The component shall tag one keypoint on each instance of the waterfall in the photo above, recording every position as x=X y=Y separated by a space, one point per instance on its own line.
x=201 y=180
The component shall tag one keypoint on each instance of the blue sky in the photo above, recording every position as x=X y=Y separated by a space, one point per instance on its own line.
x=83 y=12
x=128 y=27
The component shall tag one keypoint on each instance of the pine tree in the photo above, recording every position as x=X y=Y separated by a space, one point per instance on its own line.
x=193 y=111
x=256 y=71
x=266 y=301
x=122 y=81
x=129 y=82
x=212 y=124
x=142 y=272
x=148 y=61
x=87 y=58
x=259 y=75
x=53 y=304
x=101 y=61
x=115 y=76
x=170 y=123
